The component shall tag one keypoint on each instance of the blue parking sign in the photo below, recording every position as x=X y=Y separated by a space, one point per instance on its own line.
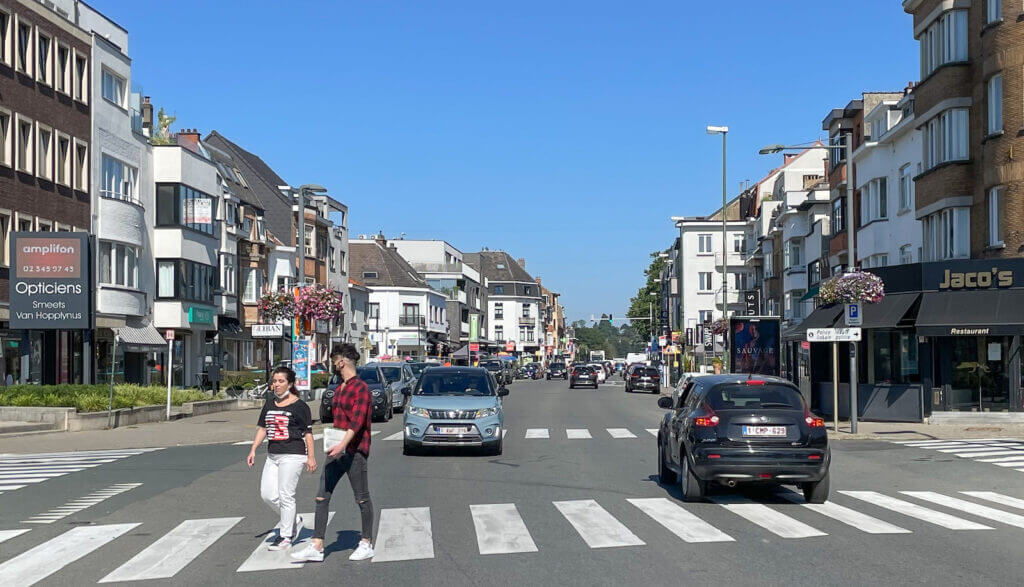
x=853 y=315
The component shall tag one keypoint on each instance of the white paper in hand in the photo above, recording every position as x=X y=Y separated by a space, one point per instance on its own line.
x=332 y=436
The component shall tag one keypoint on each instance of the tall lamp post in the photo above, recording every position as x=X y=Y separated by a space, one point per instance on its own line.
x=851 y=264
x=724 y=130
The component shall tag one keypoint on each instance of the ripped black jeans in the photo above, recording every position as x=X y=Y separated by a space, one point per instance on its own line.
x=355 y=466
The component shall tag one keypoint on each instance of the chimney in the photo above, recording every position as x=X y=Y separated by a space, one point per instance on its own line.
x=522 y=262
x=537 y=279
x=380 y=238
x=189 y=138
x=787 y=157
x=147 y=117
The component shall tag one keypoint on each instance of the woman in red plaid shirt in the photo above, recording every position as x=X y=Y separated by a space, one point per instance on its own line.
x=352 y=408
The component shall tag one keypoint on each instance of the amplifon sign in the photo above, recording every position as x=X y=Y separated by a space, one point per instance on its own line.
x=49 y=285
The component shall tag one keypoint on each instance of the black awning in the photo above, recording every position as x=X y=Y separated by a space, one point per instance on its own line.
x=822 y=317
x=971 y=313
x=139 y=337
x=228 y=325
x=889 y=312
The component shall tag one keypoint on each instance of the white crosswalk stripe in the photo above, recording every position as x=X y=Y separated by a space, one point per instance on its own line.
x=653 y=431
x=172 y=552
x=396 y=436
x=1002 y=452
x=262 y=559
x=982 y=511
x=6 y=535
x=404 y=534
x=620 y=433
x=18 y=471
x=679 y=521
x=500 y=529
x=915 y=511
x=775 y=522
x=577 y=433
x=36 y=564
x=848 y=516
x=537 y=433
x=597 y=527
x=997 y=498
x=81 y=504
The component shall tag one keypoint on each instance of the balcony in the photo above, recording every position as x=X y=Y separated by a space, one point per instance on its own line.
x=527 y=321
x=437 y=267
x=465 y=328
x=460 y=295
x=731 y=297
x=412 y=321
x=732 y=258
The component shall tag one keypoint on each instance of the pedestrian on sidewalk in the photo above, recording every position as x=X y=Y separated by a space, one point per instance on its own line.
x=288 y=425
x=351 y=408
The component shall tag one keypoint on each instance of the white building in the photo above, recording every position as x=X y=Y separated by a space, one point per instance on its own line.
x=514 y=302
x=357 y=330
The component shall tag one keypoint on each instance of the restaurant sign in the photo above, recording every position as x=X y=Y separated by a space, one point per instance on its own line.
x=49 y=281
x=973 y=274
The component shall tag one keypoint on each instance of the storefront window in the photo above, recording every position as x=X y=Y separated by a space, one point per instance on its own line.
x=979 y=374
x=11 y=360
x=894 y=357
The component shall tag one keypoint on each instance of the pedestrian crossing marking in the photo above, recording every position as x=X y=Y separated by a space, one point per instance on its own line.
x=404 y=534
x=915 y=511
x=653 y=431
x=1002 y=452
x=262 y=559
x=775 y=522
x=396 y=436
x=848 y=516
x=577 y=433
x=679 y=521
x=990 y=453
x=537 y=433
x=81 y=504
x=620 y=433
x=597 y=527
x=172 y=552
x=6 y=535
x=18 y=471
x=374 y=433
x=968 y=507
x=38 y=563
x=997 y=498
x=500 y=529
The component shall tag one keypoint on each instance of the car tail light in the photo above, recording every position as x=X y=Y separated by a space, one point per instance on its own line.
x=708 y=420
x=812 y=421
x=814 y=457
x=755 y=381
x=714 y=456
x=636 y=376
x=655 y=376
x=765 y=476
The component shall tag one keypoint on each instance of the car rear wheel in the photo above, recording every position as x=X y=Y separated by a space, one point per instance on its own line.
x=665 y=475
x=816 y=491
x=693 y=488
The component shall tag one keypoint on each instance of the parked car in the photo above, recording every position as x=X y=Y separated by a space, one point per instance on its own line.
x=532 y=370
x=454 y=406
x=583 y=375
x=641 y=377
x=383 y=403
x=734 y=429
x=399 y=377
x=419 y=367
x=598 y=368
x=499 y=369
x=557 y=370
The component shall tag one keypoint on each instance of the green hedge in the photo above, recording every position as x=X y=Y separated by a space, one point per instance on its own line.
x=93 y=398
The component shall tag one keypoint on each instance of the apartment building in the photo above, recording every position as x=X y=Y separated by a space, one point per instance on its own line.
x=553 y=320
x=513 y=302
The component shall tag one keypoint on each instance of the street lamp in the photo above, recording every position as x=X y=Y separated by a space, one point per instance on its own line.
x=723 y=130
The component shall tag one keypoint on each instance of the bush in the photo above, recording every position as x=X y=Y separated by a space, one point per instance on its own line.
x=319 y=380
x=93 y=398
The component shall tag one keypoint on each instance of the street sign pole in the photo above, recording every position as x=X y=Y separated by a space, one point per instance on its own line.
x=853 y=387
x=835 y=387
x=169 y=370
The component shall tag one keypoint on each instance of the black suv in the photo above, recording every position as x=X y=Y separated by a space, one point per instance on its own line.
x=557 y=370
x=742 y=429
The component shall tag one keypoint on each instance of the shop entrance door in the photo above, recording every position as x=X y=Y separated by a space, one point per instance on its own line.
x=975 y=370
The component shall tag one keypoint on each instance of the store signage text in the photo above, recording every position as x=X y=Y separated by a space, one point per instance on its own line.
x=976 y=279
x=267 y=330
x=49 y=286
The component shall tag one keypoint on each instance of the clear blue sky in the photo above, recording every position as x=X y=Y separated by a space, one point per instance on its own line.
x=564 y=132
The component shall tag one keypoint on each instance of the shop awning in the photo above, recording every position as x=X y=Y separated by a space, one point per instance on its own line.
x=889 y=312
x=226 y=325
x=137 y=337
x=822 y=317
x=971 y=313
x=810 y=294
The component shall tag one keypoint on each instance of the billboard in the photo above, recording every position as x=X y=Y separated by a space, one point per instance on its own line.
x=301 y=350
x=50 y=281
x=755 y=344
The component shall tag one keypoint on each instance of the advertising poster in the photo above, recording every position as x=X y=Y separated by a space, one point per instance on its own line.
x=50 y=281
x=199 y=211
x=301 y=364
x=755 y=345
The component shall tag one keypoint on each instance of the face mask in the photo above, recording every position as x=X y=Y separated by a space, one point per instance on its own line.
x=281 y=397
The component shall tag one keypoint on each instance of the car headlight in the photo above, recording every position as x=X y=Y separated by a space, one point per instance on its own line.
x=421 y=412
x=376 y=392
x=485 y=412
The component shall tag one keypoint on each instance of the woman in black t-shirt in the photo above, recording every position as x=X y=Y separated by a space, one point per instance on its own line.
x=287 y=424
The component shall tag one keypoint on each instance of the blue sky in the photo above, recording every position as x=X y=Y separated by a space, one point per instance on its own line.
x=564 y=132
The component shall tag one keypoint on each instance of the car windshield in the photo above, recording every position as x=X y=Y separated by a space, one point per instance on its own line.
x=648 y=372
x=392 y=373
x=474 y=384
x=491 y=366
x=418 y=368
x=369 y=376
x=558 y=365
x=748 y=397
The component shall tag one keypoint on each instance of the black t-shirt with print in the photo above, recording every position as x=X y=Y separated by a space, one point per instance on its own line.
x=286 y=426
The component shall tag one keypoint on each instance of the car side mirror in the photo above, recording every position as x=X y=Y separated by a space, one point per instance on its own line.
x=665 y=402
x=406 y=391
x=502 y=391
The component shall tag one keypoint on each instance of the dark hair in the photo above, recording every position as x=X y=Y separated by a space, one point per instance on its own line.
x=289 y=375
x=347 y=350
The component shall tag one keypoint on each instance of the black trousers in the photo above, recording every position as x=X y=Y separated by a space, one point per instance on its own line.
x=355 y=466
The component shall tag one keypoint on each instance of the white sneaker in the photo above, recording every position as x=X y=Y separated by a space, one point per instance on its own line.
x=362 y=552
x=309 y=554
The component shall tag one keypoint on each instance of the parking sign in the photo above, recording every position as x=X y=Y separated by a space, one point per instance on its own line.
x=853 y=315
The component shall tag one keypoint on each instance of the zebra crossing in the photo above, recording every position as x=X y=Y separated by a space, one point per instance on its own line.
x=567 y=434
x=18 y=471
x=1001 y=452
x=409 y=534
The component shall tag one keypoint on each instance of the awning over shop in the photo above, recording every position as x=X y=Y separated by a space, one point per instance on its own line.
x=226 y=325
x=137 y=337
x=971 y=313
x=810 y=294
x=890 y=311
x=823 y=317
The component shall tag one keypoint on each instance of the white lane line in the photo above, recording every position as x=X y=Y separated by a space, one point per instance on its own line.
x=990 y=453
x=244 y=441
x=915 y=511
x=173 y=551
x=404 y=534
x=396 y=436
x=968 y=507
x=679 y=521
x=997 y=498
x=775 y=522
x=653 y=431
x=40 y=562
x=81 y=504
x=620 y=433
x=848 y=516
x=500 y=529
x=595 y=525
x=262 y=559
x=577 y=433
x=6 y=535
x=537 y=433
x=504 y=432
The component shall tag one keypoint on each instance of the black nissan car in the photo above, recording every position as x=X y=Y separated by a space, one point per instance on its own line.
x=734 y=429
x=557 y=370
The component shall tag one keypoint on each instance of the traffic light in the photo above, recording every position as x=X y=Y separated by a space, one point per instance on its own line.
x=610 y=318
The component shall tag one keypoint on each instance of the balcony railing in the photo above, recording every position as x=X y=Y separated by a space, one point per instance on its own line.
x=527 y=321
x=420 y=321
x=437 y=267
x=733 y=258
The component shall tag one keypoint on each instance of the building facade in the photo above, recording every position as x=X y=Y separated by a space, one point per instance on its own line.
x=513 y=303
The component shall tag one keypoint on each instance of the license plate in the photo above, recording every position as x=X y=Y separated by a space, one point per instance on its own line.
x=764 y=431
x=450 y=430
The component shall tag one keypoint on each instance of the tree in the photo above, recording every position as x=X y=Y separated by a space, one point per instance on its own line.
x=647 y=298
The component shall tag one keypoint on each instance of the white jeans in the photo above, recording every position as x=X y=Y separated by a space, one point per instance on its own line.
x=277 y=487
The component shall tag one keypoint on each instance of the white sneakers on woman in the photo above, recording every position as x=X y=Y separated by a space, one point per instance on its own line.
x=362 y=552
x=311 y=554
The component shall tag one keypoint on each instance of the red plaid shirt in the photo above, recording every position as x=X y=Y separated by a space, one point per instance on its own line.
x=352 y=407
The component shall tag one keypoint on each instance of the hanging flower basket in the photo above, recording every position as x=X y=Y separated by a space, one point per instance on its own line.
x=276 y=305
x=316 y=302
x=720 y=326
x=856 y=286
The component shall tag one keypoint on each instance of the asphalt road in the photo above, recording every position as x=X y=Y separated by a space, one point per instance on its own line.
x=197 y=517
